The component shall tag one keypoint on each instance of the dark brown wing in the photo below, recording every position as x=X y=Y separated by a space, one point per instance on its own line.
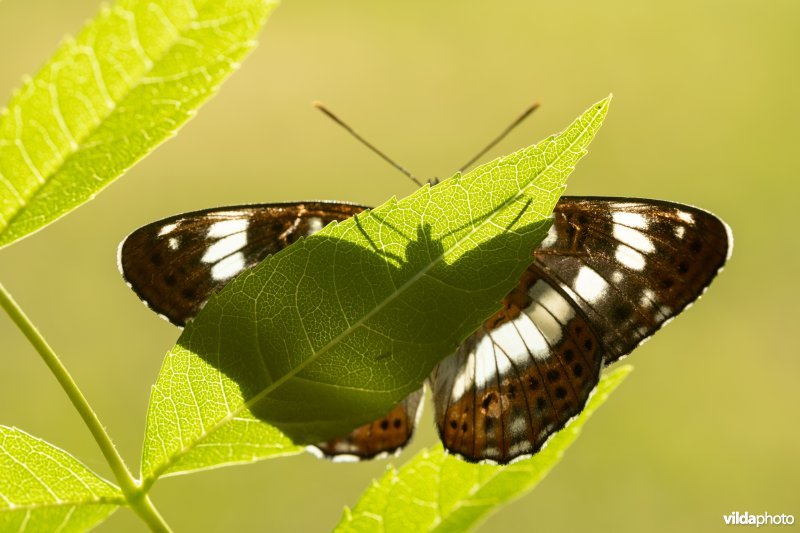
x=518 y=379
x=384 y=436
x=174 y=265
x=631 y=265
x=611 y=272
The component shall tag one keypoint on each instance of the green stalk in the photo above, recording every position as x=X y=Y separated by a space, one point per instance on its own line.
x=136 y=498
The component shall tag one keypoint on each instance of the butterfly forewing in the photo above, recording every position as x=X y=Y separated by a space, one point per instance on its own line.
x=174 y=265
x=629 y=264
x=610 y=273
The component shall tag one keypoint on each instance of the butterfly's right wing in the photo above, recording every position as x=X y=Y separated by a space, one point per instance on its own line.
x=174 y=265
x=611 y=272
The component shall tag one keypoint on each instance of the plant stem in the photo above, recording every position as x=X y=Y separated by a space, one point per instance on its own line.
x=138 y=500
x=147 y=511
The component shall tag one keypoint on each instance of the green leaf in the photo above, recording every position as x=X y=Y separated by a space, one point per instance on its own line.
x=133 y=76
x=190 y=428
x=339 y=327
x=43 y=488
x=435 y=491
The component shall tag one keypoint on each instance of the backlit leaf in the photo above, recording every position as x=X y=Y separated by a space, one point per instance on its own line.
x=43 y=488
x=336 y=329
x=131 y=78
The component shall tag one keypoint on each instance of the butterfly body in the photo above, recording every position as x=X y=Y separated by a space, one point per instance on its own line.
x=610 y=273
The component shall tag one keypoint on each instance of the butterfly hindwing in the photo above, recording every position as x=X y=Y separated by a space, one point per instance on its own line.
x=610 y=273
x=174 y=265
x=518 y=379
x=378 y=438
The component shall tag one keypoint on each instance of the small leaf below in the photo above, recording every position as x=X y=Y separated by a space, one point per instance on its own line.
x=43 y=488
x=435 y=491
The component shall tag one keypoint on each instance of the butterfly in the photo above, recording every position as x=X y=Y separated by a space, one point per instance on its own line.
x=608 y=275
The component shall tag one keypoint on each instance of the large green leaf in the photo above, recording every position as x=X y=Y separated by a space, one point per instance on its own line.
x=435 y=491
x=132 y=77
x=337 y=328
x=43 y=488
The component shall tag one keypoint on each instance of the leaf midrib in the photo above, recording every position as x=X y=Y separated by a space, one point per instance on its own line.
x=354 y=326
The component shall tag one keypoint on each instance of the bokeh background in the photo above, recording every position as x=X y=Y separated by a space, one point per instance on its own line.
x=705 y=112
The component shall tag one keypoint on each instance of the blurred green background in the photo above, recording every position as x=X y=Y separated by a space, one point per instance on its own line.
x=705 y=113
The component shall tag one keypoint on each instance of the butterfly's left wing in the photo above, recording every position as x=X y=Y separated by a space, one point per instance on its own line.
x=174 y=265
x=611 y=272
x=378 y=438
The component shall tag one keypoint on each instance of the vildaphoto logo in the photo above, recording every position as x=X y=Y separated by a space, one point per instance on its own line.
x=765 y=519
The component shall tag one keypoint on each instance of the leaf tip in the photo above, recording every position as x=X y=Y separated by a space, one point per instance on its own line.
x=613 y=379
x=625 y=369
x=604 y=103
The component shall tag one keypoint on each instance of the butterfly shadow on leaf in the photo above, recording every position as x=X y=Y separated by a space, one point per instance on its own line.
x=334 y=333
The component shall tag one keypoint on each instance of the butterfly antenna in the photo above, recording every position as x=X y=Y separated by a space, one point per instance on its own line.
x=366 y=143
x=502 y=135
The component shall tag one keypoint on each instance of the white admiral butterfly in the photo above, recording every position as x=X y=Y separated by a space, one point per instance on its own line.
x=610 y=273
